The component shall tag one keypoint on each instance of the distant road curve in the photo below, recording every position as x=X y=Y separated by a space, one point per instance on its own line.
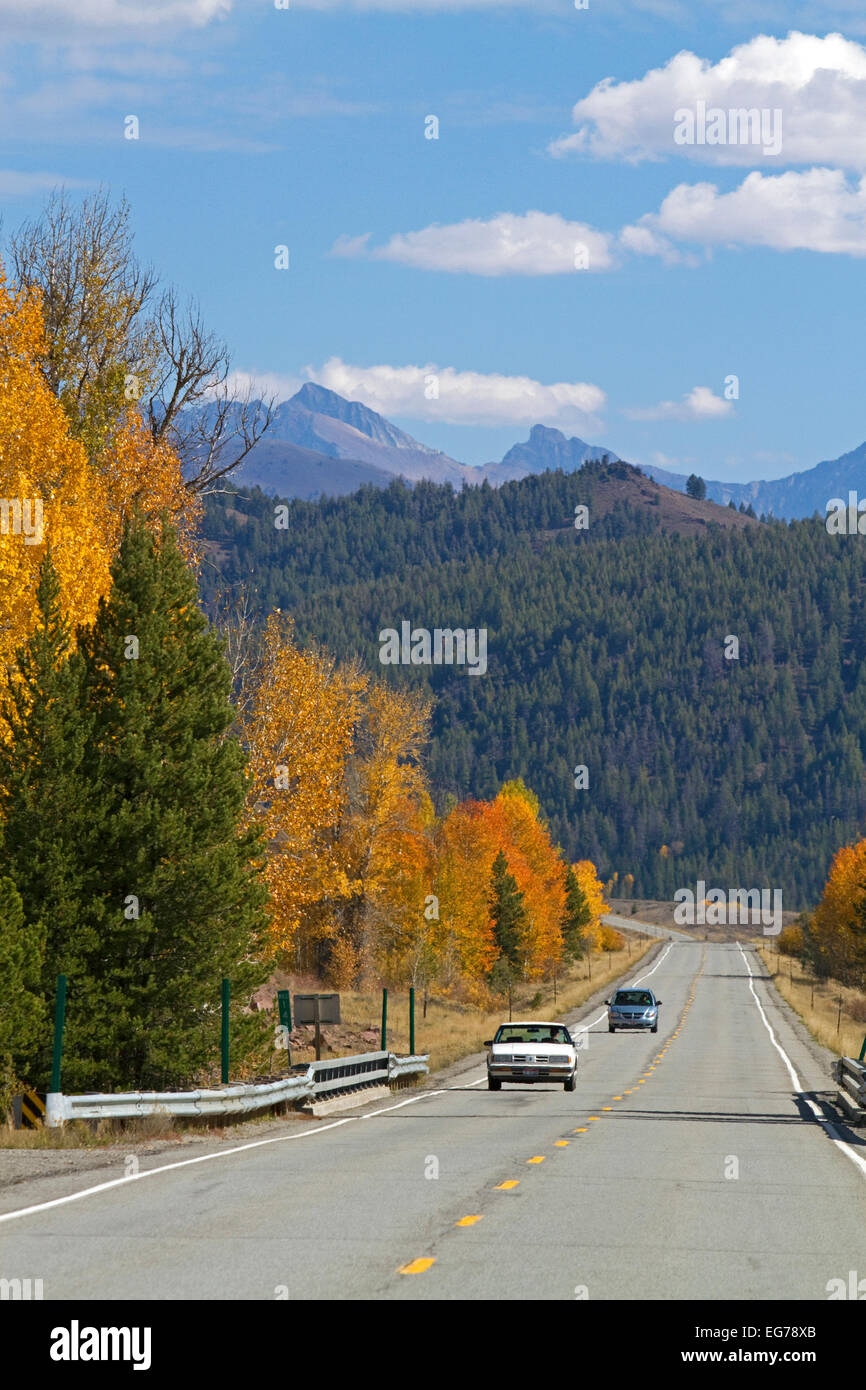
x=634 y=924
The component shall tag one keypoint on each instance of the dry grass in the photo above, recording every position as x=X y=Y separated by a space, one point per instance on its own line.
x=817 y=1003
x=98 y=1134
x=451 y=1030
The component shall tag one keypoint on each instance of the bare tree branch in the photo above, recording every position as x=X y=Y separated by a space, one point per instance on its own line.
x=104 y=326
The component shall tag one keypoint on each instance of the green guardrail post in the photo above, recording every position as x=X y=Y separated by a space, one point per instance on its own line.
x=862 y=1051
x=226 y=995
x=59 y=1020
x=411 y=1021
x=284 y=1005
x=384 y=1020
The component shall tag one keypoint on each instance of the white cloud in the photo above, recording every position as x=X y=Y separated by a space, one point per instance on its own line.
x=415 y=6
x=534 y=243
x=14 y=184
x=642 y=240
x=464 y=398
x=816 y=210
x=818 y=85
x=820 y=210
x=128 y=15
x=698 y=404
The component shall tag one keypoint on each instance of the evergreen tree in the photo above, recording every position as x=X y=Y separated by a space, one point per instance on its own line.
x=47 y=827
x=576 y=917
x=22 y=1008
x=696 y=487
x=507 y=911
x=178 y=903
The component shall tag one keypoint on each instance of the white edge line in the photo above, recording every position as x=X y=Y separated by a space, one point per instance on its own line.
x=167 y=1168
x=202 y=1158
x=827 y=1125
x=399 y=1106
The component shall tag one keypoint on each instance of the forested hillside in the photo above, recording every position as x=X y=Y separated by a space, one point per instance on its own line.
x=606 y=648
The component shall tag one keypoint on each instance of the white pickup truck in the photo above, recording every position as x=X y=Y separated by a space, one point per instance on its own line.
x=528 y=1053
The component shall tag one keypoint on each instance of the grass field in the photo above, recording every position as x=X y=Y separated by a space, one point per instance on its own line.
x=817 y=1003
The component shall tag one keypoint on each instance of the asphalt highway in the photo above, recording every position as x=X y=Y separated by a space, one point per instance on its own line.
x=696 y=1163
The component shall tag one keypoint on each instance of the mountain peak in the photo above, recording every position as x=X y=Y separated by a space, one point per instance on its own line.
x=319 y=400
x=312 y=396
x=547 y=448
x=540 y=434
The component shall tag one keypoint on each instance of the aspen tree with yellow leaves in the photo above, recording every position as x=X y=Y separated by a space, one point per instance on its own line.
x=298 y=729
x=52 y=493
x=382 y=843
x=835 y=935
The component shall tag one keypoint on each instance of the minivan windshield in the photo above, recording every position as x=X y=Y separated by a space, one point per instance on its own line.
x=633 y=996
x=531 y=1033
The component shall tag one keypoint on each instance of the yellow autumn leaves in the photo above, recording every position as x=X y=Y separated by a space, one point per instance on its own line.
x=363 y=877
x=84 y=500
x=837 y=929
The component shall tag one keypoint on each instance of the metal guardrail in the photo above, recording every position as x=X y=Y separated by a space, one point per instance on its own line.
x=408 y=1066
x=350 y=1073
x=851 y=1096
x=319 y=1079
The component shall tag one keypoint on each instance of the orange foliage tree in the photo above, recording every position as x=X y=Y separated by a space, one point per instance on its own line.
x=836 y=935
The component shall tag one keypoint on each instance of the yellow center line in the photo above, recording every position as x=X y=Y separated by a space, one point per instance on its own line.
x=539 y=1158
x=417 y=1266
x=507 y=1185
x=581 y=1131
x=468 y=1220
x=560 y=1144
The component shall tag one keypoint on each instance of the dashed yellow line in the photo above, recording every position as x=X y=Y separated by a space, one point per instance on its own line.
x=539 y=1158
x=560 y=1144
x=417 y=1266
x=468 y=1220
x=507 y=1185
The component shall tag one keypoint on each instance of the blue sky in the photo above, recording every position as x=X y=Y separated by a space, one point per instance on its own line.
x=453 y=258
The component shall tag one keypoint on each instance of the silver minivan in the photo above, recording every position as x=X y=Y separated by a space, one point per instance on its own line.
x=633 y=1008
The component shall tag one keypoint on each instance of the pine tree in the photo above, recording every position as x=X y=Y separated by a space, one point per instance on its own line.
x=179 y=903
x=696 y=487
x=507 y=911
x=22 y=1008
x=577 y=916
x=47 y=828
